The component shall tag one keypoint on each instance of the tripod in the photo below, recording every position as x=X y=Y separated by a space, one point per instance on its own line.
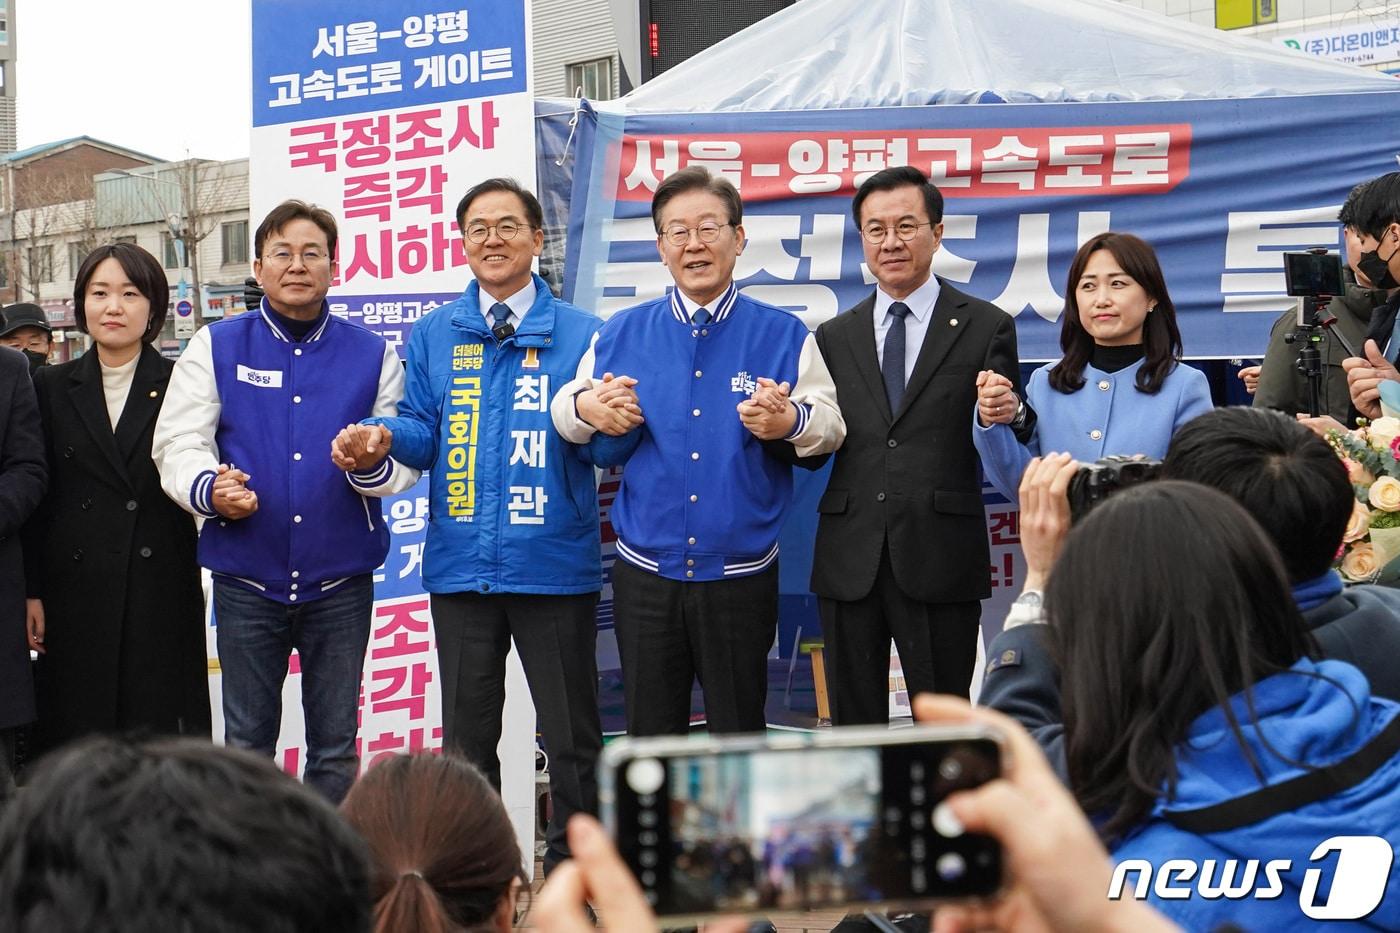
x=1310 y=332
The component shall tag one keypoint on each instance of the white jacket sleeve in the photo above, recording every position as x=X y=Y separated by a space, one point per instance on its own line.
x=183 y=445
x=562 y=410
x=819 y=429
x=390 y=477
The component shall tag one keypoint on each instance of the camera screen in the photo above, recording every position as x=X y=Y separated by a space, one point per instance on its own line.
x=805 y=827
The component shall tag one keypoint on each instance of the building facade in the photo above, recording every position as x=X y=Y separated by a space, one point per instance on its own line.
x=1365 y=33
x=63 y=200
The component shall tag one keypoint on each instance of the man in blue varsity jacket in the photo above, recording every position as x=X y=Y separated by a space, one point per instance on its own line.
x=292 y=540
x=512 y=549
x=733 y=393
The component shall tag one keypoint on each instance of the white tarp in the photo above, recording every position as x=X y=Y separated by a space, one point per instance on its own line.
x=825 y=54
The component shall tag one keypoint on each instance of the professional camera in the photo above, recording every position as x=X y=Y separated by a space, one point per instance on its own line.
x=1097 y=481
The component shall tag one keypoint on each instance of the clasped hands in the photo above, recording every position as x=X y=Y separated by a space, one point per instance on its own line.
x=356 y=447
x=996 y=399
x=613 y=407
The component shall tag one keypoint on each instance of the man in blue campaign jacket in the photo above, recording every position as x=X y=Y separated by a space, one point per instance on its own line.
x=292 y=540
x=512 y=549
x=733 y=393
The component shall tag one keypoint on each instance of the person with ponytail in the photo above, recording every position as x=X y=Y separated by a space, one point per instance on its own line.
x=444 y=858
x=1119 y=389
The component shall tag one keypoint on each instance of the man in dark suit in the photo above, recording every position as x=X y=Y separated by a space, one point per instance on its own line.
x=22 y=478
x=901 y=545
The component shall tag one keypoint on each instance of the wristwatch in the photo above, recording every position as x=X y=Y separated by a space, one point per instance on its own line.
x=1028 y=609
x=1020 y=418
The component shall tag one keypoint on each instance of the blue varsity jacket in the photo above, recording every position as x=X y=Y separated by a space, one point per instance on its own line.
x=282 y=402
x=514 y=507
x=700 y=497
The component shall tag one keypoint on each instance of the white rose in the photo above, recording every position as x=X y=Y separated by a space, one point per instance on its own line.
x=1358 y=524
x=1361 y=563
x=1383 y=431
x=1385 y=494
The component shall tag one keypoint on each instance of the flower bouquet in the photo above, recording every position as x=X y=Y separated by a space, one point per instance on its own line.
x=1371 y=545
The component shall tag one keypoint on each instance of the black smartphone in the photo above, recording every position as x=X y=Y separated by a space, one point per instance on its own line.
x=1313 y=274
x=843 y=817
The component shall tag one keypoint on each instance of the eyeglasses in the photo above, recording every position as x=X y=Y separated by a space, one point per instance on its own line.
x=679 y=234
x=506 y=230
x=906 y=230
x=283 y=257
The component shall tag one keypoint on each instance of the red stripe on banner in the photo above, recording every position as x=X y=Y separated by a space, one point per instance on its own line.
x=980 y=163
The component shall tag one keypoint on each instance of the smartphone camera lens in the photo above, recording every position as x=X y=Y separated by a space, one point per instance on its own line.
x=951 y=866
x=645 y=775
x=950 y=769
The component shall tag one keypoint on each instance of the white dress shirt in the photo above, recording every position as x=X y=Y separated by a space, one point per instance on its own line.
x=519 y=303
x=920 y=304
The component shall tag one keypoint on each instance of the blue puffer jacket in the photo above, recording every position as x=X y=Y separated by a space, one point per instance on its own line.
x=1318 y=713
x=514 y=507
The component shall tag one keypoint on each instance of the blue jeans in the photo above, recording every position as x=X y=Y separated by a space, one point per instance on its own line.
x=256 y=636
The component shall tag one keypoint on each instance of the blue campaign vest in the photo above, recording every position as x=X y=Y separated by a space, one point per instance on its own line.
x=281 y=398
x=700 y=498
x=514 y=507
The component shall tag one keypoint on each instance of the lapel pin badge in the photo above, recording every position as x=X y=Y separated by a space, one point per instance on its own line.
x=953 y=322
x=154 y=393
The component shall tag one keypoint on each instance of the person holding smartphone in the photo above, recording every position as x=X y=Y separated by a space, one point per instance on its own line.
x=1120 y=387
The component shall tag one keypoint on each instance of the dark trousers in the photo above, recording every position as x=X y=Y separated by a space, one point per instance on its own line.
x=8 y=763
x=937 y=644
x=556 y=637
x=670 y=632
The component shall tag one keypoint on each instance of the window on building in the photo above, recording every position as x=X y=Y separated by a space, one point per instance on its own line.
x=130 y=238
x=41 y=264
x=77 y=252
x=170 y=252
x=235 y=237
x=595 y=77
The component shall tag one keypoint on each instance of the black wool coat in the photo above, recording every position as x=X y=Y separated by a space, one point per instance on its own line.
x=114 y=563
x=21 y=487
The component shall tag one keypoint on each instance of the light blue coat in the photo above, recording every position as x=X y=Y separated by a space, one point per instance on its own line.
x=1107 y=416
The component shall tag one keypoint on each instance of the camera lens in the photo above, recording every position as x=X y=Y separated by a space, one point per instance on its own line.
x=950 y=866
x=950 y=769
x=645 y=775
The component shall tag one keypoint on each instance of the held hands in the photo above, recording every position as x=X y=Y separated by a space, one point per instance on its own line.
x=361 y=446
x=231 y=496
x=996 y=399
x=1321 y=425
x=1045 y=514
x=612 y=407
x=768 y=414
x=1364 y=378
x=1249 y=375
x=34 y=624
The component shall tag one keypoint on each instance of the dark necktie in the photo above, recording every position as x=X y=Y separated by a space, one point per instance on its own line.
x=892 y=364
x=701 y=317
x=498 y=314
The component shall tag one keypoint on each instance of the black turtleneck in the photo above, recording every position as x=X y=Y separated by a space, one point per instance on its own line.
x=1112 y=359
x=297 y=328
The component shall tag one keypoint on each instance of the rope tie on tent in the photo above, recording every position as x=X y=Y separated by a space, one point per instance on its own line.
x=573 y=126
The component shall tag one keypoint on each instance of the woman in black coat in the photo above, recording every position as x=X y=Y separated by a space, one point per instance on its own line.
x=116 y=605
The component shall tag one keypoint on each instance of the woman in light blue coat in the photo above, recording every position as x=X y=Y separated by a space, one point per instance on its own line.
x=1120 y=387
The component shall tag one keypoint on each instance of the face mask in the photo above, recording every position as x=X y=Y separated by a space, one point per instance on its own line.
x=1371 y=265
x=36 y=359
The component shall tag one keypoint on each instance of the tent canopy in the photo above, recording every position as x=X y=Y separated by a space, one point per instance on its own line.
x=825 y=54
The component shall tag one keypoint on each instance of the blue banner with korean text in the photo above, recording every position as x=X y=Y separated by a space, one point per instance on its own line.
x=1221 y=188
